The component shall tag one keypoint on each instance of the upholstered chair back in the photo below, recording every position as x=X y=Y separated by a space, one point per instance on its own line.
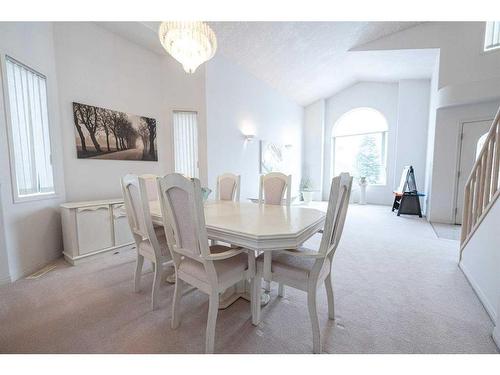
x=273 y=187
x=151 y=186
x=338 y=202
x=182 y=211
x=138 y=213
x=228 y=187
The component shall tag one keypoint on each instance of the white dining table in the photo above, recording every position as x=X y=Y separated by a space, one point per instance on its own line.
x=256 y=227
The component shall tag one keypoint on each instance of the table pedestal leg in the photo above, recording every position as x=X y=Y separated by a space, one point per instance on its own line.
x=240 y=290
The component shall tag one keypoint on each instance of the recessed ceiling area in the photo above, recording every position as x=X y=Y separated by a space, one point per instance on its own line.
x=305 y=61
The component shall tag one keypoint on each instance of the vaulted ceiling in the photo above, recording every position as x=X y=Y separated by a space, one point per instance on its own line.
x=304 y=60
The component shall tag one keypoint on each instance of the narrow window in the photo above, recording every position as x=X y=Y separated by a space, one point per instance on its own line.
x=186 y=143
x=492 y=35
x=29 y=137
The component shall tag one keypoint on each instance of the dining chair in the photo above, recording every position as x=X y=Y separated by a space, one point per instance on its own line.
x=228 y=187
x=306 y=269
x=211 y=269
x=151 y=186
x=150 y=241
x=272 y=188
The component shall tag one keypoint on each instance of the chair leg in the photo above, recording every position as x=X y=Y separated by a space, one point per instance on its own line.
x=281 y=290
x=213 y=309
x=138 y=273
x=329 y=296
x=267 y=286
x=177 y=302
x=256 y=290
x=156 y=287
x=313 y=315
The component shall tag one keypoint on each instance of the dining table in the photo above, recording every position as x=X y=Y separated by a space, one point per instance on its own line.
x=257 y=227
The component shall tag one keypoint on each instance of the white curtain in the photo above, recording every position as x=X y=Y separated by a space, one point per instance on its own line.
x=27 y=92
x=186 y=143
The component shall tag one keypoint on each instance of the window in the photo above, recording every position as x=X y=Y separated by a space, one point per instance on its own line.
x=359 y=145
x=492 y=35
x=186 y=143
x=29 y=132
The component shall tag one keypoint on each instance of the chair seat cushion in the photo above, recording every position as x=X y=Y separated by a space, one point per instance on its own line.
x=292 y=267
x=146 y=248
x=226 y=269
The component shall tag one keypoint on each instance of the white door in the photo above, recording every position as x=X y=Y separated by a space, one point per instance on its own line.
x=471 y=132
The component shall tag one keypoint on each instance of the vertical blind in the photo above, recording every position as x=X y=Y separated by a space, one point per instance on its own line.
x=186 y=143
x=27 y=92
x=492 y=35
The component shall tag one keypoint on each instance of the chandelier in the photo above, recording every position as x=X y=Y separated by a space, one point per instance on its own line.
x=191 y=42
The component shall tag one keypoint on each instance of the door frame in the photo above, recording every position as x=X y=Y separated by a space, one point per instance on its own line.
x=459 y=157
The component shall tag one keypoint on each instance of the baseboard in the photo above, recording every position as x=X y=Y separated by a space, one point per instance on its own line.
x=496 y=336
x=29 y=270
x=5 y=281
x=482 y=297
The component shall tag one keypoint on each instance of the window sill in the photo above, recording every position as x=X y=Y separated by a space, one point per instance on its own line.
x=35 y=197
x=489 y=51
x=376 y=185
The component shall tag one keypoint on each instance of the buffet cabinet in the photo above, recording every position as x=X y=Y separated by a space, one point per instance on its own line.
x=93 y=228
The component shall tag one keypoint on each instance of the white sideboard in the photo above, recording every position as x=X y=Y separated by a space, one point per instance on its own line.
x=94 y=227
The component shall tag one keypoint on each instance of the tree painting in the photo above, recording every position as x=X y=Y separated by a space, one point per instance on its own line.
x=106 y=134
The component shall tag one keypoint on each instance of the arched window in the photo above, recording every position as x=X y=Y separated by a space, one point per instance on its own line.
x=359 y=145
x=480 y=144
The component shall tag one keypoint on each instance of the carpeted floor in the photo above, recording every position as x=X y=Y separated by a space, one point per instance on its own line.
x=397 y=290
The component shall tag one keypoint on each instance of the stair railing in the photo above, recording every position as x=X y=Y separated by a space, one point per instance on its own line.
x=482 y=187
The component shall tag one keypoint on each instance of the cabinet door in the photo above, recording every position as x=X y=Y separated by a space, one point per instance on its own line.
x=123 y=235
x=94 y=228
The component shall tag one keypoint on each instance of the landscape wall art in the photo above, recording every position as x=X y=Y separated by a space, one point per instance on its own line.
x=106 y=134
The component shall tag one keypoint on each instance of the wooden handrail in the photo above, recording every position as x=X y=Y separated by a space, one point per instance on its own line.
x=482 y=187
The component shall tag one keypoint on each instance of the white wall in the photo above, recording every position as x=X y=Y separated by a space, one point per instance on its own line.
x=406 y=107
x=446 y=154
x=4 y=257
x=380 y=96
x=86 y=63
x=462 y=59
x=312 y=145
x=481 y=262
x=98 y=67
x=431 y=133
x=32 y=229
x=411 y=138
x=239 y=103
x=466 y=77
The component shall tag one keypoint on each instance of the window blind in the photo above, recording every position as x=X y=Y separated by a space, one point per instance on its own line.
x=30 y=138
x=492 y=35
x=186 y=143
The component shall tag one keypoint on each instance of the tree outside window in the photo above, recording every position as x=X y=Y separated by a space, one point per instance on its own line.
x=368 y=160
x=360 y=145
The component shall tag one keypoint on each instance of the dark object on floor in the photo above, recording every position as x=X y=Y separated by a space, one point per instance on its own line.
x=406 y=197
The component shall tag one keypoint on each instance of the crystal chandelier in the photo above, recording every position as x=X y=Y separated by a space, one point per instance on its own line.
x=191 y=42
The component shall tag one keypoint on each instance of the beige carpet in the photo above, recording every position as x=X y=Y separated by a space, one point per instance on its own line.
x=397 y=290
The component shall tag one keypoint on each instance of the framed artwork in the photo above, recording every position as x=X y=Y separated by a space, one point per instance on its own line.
x=274 y=157
x=107 y=134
